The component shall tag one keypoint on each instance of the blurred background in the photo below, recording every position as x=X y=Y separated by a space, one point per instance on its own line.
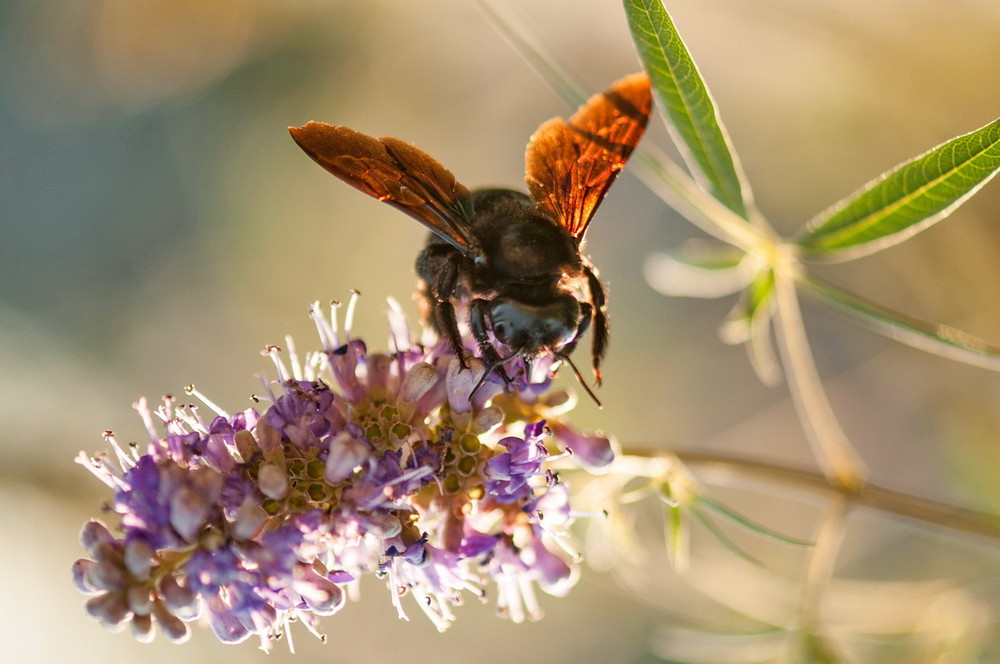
x=158 y=227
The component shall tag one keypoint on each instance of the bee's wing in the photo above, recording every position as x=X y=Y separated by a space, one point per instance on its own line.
x=395 y=172
x=569 y=166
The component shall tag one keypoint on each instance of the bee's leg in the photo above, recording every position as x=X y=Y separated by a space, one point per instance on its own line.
x=587 y=313
x=438 y=265
x=599 y=339
x=478 y=310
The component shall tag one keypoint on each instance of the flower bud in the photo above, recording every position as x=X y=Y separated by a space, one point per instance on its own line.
x=249 y=520
x=105 y=576
x=94 y=533
x=346 y=454
x=173 y=628
x=273 y=481
x=109 y=608
x=177 y=599
x=138 y=600
x=81 y=572
x=139 y=558
x=142 y=629
x=188 y=511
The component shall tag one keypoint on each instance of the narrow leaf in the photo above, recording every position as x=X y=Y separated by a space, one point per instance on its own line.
x=906 y=200
x=752 y=526
x=750 y=322
x=940 y=340
x=694 y=123
x=698 y=270
x=661 y=174
x=724 y=539
x=676 y=531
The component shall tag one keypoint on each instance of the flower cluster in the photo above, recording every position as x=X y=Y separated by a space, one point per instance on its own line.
x=400 y=465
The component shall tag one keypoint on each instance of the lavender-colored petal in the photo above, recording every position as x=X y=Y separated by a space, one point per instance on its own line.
x=593 y=451
x=227 y=627
x=320 y=594
x=554 y=575
x=460 y=382
x=477 y=544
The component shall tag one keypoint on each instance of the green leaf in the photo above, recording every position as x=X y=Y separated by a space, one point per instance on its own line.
x=758 y=295
x=906 y=200
x=752 y=526
x=724 y=539
x=698 y=269
x=750 y=322
x=940 y=340
x=693 y=121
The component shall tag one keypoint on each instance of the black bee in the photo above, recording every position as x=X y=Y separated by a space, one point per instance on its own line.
x=515 y=259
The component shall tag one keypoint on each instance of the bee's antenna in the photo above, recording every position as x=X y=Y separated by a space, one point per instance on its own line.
x=579 y=377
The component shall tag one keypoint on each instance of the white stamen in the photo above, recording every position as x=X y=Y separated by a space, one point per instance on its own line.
x=193 y=391
x=142 y=407
x=561 y=455
x=334 y=323
x=188 y=414
x=273 y=353
x=287 y=631
x=100 y=470
x=399 y=331
x=394 y=587
x=124 y=459
x=528 y=597
x=267 y=388
x=565 y=542
x=327 y=332
x=293 y=358
x=312 y=629
x=349 y=316
x=415 y=474
x=436 y=610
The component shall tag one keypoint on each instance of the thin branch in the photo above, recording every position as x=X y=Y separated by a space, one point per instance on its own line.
x=819 y=572
x=833 y=450
x=866 y=494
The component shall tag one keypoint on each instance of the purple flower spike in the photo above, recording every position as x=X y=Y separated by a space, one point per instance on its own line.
x=362 y=464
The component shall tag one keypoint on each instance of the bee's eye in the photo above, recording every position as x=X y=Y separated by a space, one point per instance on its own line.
x=501 y=329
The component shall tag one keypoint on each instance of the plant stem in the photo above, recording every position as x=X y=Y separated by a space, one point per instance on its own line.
x=865 y=494
x=819 y=572
x=833 y=450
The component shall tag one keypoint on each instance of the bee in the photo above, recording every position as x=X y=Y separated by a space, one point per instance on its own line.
x=514 y=261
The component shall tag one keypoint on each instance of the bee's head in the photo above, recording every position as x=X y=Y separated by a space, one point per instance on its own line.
x=533 y=328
